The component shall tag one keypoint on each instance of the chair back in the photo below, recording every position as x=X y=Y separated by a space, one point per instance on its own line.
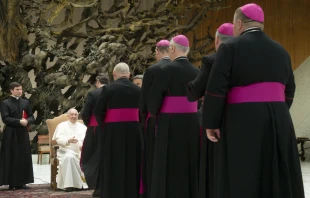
x=52 y=124
x=43 y=139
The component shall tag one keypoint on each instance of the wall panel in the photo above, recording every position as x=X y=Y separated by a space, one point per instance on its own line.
x=286 y=21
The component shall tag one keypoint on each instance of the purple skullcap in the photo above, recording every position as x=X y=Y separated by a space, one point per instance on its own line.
x=253 y=11
x=181 y=40
x=226 y=29
x=163 y=43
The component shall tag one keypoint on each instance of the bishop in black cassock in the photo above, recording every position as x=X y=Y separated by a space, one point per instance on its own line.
x=176 y=151
x=196 y=90
x=91 y=151
x=117 y=112
x=149 y=122
x=249 y=93
x=15 y=156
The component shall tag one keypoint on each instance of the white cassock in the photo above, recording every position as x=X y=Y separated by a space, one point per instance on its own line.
x=70 y=174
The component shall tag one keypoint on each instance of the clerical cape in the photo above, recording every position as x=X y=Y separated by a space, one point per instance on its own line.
x=149 y=122
x=15 y=157
x=248 y=96
x=117 y=111
x=176 y=151
x=91 y=151
x=69 y=174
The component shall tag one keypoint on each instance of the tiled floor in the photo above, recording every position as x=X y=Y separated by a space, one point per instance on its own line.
x=42 y=173
x=305 y=167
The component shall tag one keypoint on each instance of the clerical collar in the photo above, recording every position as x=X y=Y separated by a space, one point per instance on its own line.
x=15 y=97
x=165 y=57
x=71 y=123
x=251 y=29
x=180 y=58
x=122 y=78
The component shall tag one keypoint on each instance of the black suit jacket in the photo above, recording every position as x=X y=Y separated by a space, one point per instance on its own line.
x=197 y=87
x=91 y=100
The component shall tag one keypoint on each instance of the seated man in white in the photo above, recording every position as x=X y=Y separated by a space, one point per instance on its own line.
x=69 y=135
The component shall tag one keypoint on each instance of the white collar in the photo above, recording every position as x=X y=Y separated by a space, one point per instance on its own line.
x=252 y=29
x=15 y=97
x=72 y=124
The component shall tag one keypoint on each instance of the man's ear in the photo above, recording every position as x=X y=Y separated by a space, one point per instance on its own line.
x=239 y=23
x=216 y=40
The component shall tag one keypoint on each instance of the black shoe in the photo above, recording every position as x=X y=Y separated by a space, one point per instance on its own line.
x=69 y=189
x=12 y=187
x=96 y=193
x=22 y=187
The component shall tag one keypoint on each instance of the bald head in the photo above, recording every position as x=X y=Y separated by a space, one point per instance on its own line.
x=121 y=70
x=73 y=115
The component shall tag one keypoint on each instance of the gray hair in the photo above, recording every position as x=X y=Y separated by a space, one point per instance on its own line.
x=179 y=47
x=121 y=68
x=103 y=80
x=138 y=77
x=72 y=109
x=163 y=49
x=223 y=38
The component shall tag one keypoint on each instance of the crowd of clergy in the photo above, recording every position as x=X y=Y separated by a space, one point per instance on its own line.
x=221 y=131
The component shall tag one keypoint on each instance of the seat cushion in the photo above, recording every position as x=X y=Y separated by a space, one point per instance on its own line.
x=44 y=148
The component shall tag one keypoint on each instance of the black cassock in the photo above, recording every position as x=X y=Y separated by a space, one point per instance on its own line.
x=90 y=156
x=196 y=90
x=197 y=87
x=149 y=122
x=249 y=93
x=120 y=165
x=176 y=151
x=15 y=158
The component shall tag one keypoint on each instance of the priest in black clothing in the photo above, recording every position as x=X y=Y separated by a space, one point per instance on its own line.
x=196 y=90
x=120 y=165
x=246 y=113
x=149 y=123
x=92 y=143
x=15 y=157
x=176 y=151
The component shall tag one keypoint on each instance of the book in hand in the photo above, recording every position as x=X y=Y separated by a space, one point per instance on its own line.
x=25 y=116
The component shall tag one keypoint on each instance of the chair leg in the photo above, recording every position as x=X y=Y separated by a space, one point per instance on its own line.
x=302 y=149
x=41 y=158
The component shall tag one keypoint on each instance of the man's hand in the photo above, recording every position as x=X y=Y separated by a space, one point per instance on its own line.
x=73 y=140
x=213 y=134
x=23 y=122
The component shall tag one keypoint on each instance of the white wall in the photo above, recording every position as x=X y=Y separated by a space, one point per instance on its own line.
x=300 y=109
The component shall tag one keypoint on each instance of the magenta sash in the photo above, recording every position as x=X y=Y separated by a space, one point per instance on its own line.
x=122 y=115
x=92 y=121
x=257 y=92
x=178 y=104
